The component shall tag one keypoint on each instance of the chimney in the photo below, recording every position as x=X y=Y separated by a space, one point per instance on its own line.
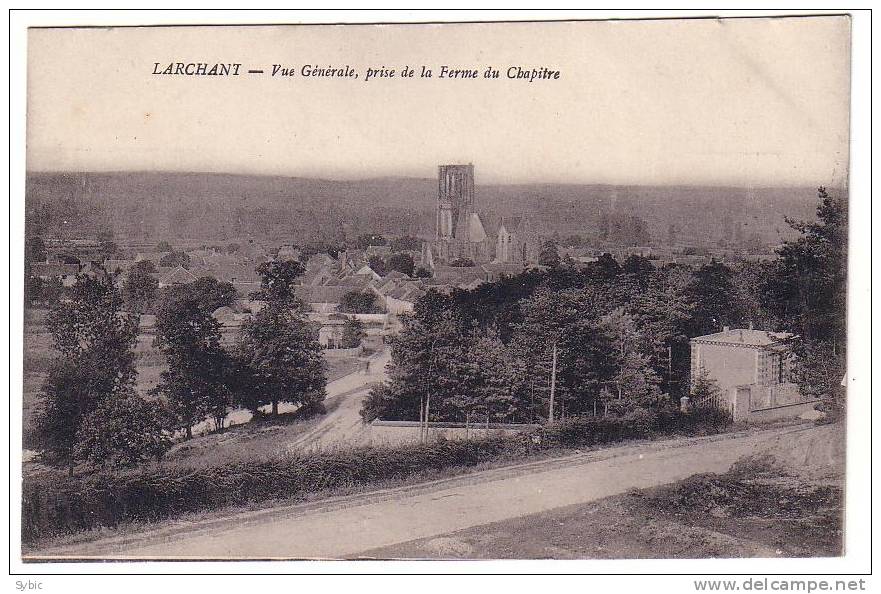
x=726 y=328
x=750 y=324
x=740 y=336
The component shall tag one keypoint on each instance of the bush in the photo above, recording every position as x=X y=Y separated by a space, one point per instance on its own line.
x=54 y=504
x=637 y=424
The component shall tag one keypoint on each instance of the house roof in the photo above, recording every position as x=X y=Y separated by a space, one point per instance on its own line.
x=176 y=276
x=321 y=293
x=745 y=337
x=511 y=224
x=368 y=271
x=112 y=265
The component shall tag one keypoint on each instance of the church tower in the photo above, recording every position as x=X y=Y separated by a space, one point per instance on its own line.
x=455 y=199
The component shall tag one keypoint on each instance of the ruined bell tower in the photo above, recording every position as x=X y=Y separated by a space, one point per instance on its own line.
x=455 y=198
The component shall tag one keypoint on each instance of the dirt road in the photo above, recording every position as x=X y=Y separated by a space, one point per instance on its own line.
x=346 y=527
x=342 y=424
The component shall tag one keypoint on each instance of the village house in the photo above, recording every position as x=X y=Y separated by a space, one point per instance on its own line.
x=752 y=371
x=66 y=273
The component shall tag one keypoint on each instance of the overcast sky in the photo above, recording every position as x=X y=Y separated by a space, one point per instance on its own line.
x=745 y=102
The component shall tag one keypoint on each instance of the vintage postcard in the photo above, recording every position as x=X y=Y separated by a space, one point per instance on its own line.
x=568 y=290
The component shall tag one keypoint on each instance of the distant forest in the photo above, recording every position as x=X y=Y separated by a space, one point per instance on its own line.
x=152 y=206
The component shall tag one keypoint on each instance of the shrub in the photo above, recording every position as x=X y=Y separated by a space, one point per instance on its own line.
x=54 y=504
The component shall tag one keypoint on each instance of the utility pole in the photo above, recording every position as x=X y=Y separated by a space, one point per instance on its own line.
x=553 y=384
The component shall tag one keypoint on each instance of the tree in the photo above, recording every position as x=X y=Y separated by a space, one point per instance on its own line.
x=634 y=379
x=461 y=262
x=704 y=389
x=567 y=319
x=284 y=358
x=405 y=243
x=353 y=333
x=36 y=250
x=163 y=246
x=359 y=302
x=140 y=288
x=378 y=265
x=108 y=248
x=96 y=362
x=125 y=431
x=211 y=292
x=233 y=248
x=422 y=272
x=175 y=258
x=715 y=299
x=277 y=281
x=638 y=265
x=549 y=255
x=402 y=263
x=196 y=383
x=366 y=240
x=807 y=292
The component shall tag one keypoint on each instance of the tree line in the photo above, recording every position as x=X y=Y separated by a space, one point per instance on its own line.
x=614 y=337
x=90 y=411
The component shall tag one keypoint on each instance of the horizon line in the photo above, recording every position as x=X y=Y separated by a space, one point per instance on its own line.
x=413 y=177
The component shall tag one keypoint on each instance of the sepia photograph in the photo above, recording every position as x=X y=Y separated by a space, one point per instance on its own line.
x=544 y=290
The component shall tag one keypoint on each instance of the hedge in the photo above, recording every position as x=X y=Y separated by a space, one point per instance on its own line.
x=54 y=504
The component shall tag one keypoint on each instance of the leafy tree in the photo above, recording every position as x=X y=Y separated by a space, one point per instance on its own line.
x=125 y=431
x=569 y=320
x=163 y=246
x=401 y=262
x=462 y=262
x=212 y=293
x=145 y=266
x=405 y=243
x=284 y=359
x=549 y=256
x=36 y=249
x=704 y=389
x=353 y=333
x=95 y=340
x=422 y=272
x=366 y=240
x=175 y=258
x=359 y=302
x=140 y=288
x=807 y=292
x=233 y=248
x=574 y=240
x=425 y=355
x=715 y=300
x=277 y=281
x=196 y=383
x=108 y=248
x=378 y=265
x=808 y=287
x=638 y=265
x=663 y=316
x=634 y=379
